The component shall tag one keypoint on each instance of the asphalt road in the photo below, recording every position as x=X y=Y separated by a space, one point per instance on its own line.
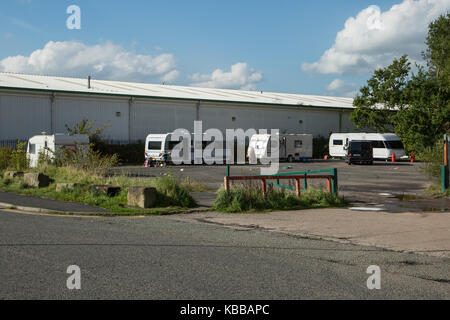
x=158 y=258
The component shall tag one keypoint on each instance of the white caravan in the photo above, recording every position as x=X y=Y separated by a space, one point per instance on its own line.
x=384 y=144
x=50 y=145
x=292 y=146
x=159 y=148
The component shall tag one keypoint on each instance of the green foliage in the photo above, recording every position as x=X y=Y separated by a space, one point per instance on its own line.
x=385 y=87
x=5 y=157
x=245 y=198
x=173 y=194
x=415 y=106
x=87 y=127
x=432 y=158
x=18 y=160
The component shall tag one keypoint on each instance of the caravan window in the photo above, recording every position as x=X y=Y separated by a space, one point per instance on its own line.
x=32 y=148
x=397 y=144
x=298 y=143
x=154 y=145
x=337 y=142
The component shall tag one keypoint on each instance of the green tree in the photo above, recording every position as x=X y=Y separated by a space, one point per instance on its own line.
x=87 y=127
x=415 y=106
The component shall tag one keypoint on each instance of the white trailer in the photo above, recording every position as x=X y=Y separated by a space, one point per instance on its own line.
x=384 y=144
x=49 y=145
x=292 y=147
x=159 y=148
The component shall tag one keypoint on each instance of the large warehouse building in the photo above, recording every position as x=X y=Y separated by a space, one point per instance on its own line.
x=31 y=104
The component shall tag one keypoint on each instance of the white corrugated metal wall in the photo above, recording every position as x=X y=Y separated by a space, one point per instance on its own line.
x=24 y=114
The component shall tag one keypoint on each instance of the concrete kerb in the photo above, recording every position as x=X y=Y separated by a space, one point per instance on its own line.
x=6 y=206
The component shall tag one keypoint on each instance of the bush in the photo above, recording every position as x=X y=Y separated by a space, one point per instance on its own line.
x=18 y=160
x=89 y=161
x=244 y=198
x=173 y=193
x=432 y=158
x=5 y=158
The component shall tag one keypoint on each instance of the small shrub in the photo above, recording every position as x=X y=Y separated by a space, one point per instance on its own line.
x=6 y=182
x=5 y=157
x=173 y=193
x=24 y=185
x=18 y=160
x=246 y=198
x=432 y=158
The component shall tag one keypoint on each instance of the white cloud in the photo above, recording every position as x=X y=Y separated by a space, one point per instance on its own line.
x=104 y=61
x=340 y=88
x=241 y=76
x=373 y=38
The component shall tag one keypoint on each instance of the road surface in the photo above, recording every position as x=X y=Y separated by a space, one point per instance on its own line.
x=159 y=258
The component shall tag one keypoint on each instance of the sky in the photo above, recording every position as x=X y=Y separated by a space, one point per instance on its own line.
x=322 y=47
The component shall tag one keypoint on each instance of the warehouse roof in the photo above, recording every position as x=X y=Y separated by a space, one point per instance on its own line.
x=77 y=85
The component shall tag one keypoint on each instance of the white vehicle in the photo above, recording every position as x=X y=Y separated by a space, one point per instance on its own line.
x=49 y=145
x=384 y=144
x=159 y=148
x=293 y=147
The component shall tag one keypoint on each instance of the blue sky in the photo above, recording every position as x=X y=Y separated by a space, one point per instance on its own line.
x=273 y=45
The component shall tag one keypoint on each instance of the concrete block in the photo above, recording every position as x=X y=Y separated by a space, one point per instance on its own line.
x=69 y=186
x=12 y=174
x=36 y=180
x=110 y=191
x=143 y=197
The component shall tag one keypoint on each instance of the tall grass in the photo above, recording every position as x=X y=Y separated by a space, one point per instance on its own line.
x=433 y=158
x=248 y=198
x=171 y=191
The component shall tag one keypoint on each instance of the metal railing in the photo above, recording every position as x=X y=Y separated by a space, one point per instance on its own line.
x=332 y=180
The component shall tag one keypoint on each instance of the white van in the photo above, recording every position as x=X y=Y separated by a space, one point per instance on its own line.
x=293 y=147
x=384 y=144
x=50 y=145
x=159 y=148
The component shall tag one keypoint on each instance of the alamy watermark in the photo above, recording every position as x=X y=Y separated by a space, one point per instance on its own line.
x=74 y=20
x=212 y=147
x=374 y=281
x=74 y=280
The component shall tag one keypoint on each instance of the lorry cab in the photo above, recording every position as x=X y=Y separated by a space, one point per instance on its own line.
x=359 y=151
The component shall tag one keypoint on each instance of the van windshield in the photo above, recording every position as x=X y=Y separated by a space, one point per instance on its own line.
x=359 y=146
x=154 y=145
x=396 y=144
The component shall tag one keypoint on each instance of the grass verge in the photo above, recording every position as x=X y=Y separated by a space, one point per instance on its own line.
x=173 y=194
x=435 y=191
x=248 y=198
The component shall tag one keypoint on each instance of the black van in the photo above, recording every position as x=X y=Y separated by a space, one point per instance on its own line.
x=359 y=151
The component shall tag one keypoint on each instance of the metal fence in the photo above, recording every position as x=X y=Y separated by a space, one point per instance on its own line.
x=9 y=143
